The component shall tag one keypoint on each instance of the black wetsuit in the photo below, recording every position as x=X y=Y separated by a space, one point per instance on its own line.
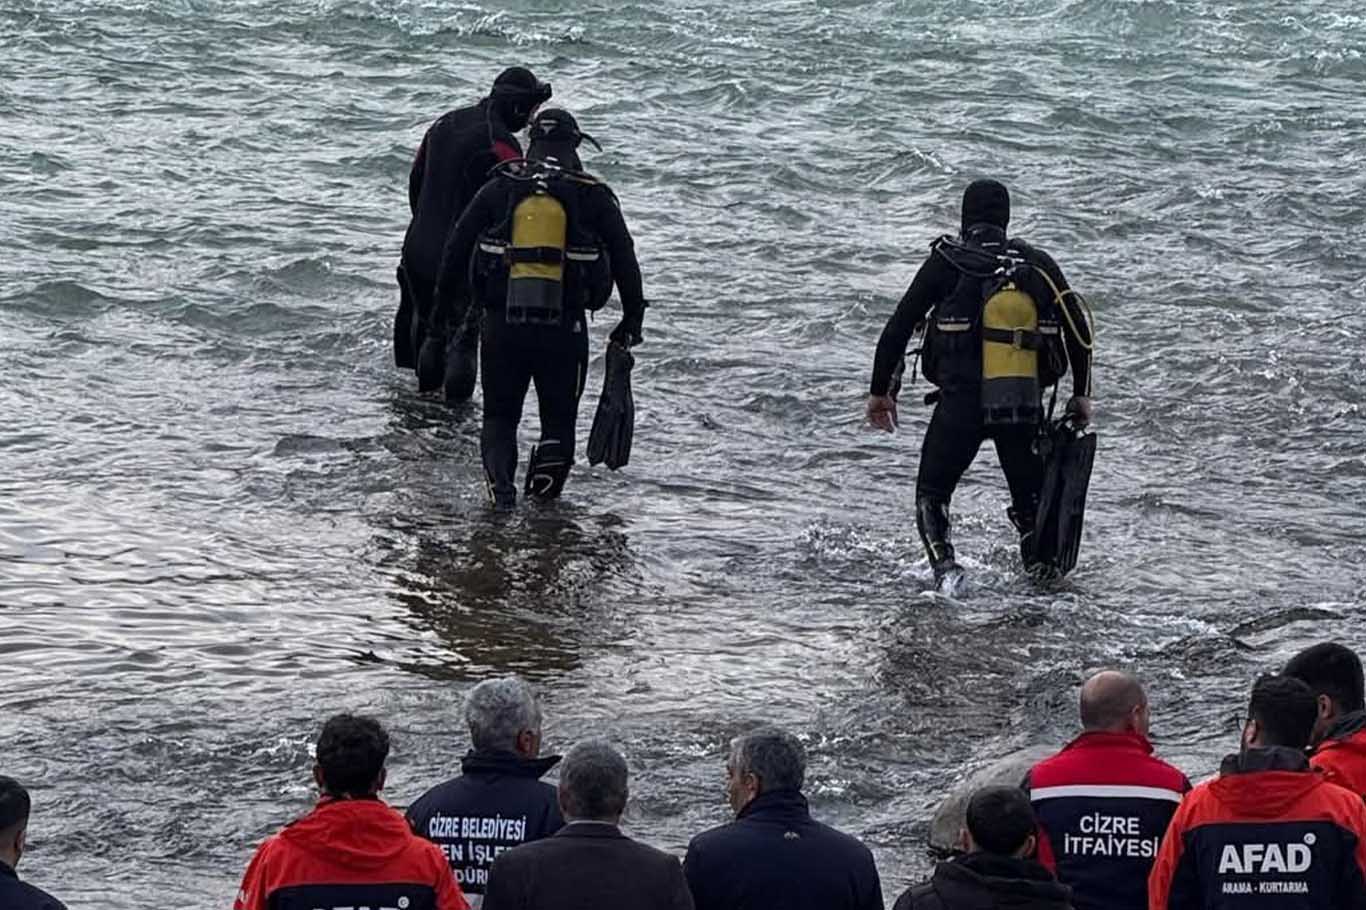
x=554 y=357
x=452 y=163
x=957 y=429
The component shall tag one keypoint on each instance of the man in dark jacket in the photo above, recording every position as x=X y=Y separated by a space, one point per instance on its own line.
x=589 y=864
x=498 y=802
x=549 y=242
x=1333 y=672
x=451 y=165
x=995 y=870
x=775 y=854
x=973 y=295
x=1104 y=801
x=352 y=850
x=1269 y=832
x=15 y=807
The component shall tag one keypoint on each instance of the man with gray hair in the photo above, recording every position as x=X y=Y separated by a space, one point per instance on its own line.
x=589 y=863
x=775 y=854
x=498 y=802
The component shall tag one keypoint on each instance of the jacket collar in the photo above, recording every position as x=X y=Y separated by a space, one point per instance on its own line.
x=509 y=763
x=587 y=828
x=7 y=871
x=983 y=880
x=777 y=804
x=1101 y=739
x=1265 y=758
x=1346 y=726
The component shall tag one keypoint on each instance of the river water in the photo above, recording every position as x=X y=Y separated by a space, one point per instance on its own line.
x=224 y=515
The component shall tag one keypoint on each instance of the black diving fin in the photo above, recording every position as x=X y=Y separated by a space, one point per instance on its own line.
x=614 y=425
x=1068 y=453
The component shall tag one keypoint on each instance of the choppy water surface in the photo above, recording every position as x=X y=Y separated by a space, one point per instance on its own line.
x=224 y=515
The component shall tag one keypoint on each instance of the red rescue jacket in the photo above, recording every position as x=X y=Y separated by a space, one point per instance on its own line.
x=1268 y=833
x=354 y=853
x=1103 y=804
x=1342 y=756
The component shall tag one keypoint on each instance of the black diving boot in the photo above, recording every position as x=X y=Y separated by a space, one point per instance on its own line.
x=1024 y=526
x=932 y=519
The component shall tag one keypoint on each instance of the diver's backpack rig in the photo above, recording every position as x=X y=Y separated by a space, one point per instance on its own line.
x=539 y=260
x=993 y=334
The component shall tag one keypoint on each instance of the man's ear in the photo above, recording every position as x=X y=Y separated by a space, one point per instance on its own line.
x=1252 y=731
x=319 y=779
x=1326 y=708
x=379 y=781
x=1030 y=848
x=965 y=840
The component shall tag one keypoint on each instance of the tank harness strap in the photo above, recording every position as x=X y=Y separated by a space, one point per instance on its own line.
x=543 y=254
x=1019 y=339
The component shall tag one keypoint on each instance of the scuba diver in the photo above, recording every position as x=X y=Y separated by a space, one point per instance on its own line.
x=538 y=248
x=451 y=165
x=1000 y=326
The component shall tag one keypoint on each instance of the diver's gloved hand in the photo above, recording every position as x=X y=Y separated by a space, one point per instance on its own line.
x=882 y=412
x=1079 y=408
x=628 y=332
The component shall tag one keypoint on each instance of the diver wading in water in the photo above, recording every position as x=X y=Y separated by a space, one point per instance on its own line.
x=547 y=243
x=452 y=163
x=1000 y=326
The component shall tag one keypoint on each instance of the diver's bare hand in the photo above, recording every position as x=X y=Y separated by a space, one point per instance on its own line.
x=882 y=412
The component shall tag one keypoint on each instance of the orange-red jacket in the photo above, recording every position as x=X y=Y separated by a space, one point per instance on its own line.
x=1269 y=833
x=1342 y=756
x=350 y=853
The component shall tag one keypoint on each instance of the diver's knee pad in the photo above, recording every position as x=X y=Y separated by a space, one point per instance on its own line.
x=548 y=469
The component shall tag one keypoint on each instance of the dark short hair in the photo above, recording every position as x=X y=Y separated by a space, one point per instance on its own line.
x=1286 y=709
x=773 y=755
x=1000 y=819
x=351 y=752
x=593 y=781
x=1331 y=669
x=15 y=804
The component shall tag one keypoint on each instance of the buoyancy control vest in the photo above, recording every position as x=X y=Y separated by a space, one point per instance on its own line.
x=998 y=331
x=541 y=262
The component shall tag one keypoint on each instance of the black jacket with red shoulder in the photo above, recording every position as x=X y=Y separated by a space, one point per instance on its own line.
x=1103 y=804
x=1342 y=754
x=452 y=163
x=1268 y=833
x=349 y=853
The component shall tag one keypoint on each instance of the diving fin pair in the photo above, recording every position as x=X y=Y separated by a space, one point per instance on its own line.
x=1069 y=453
x=614 y=425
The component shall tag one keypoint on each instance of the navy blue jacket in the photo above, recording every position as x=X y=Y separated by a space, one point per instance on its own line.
x=775 y=856
x=17 y=895
x=498 y=802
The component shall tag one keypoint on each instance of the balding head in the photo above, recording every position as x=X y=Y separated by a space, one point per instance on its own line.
x=1114 y=702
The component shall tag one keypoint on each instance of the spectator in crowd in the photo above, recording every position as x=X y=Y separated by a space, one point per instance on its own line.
x=1268 y=832
x=775 y=854
x=588 y=864
x=352 y=850
x=14 y=811
x=1333 y=674
x=498 y=802
x=995 y=870
x=1105 y=800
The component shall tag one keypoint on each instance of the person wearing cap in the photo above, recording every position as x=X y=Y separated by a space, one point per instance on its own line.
x=956 y=297
x=548 y=242
x=452 y=163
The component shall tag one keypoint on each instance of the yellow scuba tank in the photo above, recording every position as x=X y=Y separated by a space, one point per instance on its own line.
x=536 y=258
x=1011 y=341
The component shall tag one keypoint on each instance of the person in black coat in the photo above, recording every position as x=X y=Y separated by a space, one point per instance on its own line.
x=775 y=854
x=589 y=864
x=996 y=871
x=451 y=164
x=499 y=801
x=15 y=806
